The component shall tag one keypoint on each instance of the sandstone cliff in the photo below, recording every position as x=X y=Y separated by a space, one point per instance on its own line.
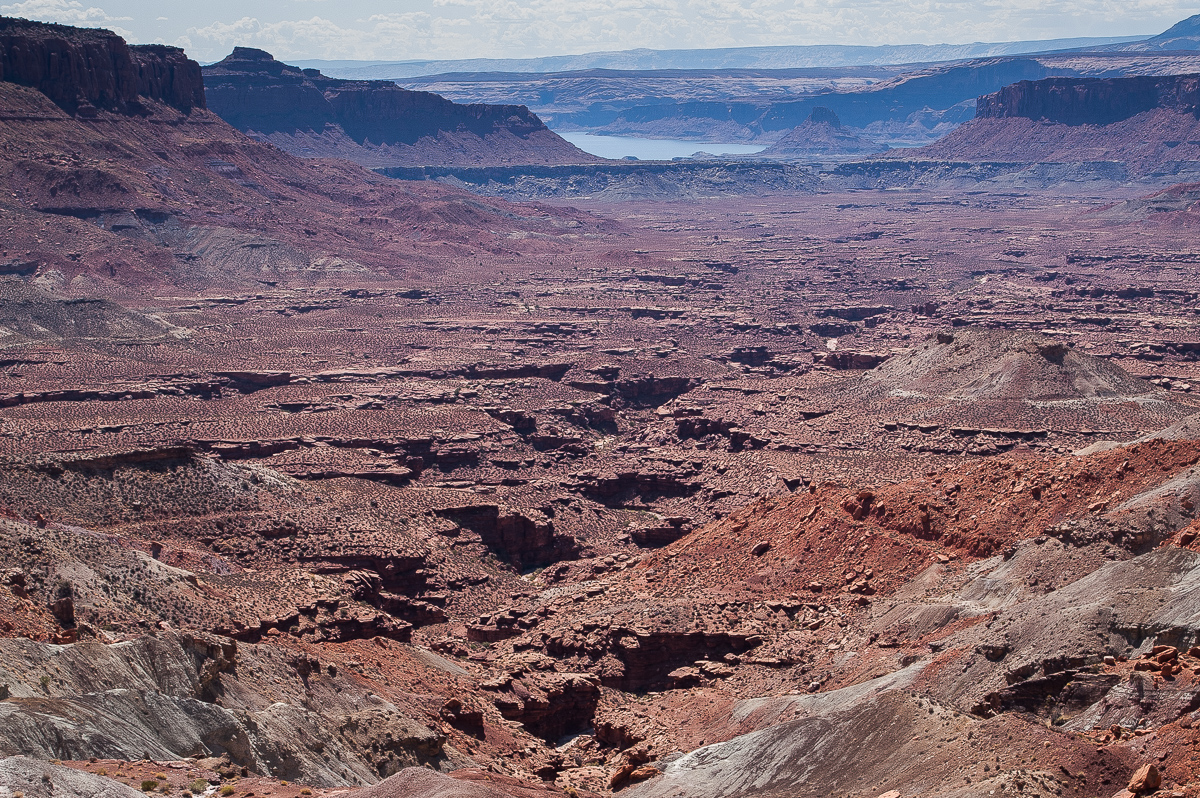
x=375 y=123
x=84 y=71
x=1142 y=127
x=1090 y=101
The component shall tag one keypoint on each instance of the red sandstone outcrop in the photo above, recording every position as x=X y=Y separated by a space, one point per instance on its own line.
x=86 y=70
x=1145 y=779
x=1090 y=101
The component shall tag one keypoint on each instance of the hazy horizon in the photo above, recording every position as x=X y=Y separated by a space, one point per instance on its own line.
x=459 y=29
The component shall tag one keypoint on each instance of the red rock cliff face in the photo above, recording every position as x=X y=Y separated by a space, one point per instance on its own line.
x=1090 y=101
x=85 y=71
x=253 y=91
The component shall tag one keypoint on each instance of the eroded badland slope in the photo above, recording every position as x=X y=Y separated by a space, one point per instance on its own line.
x=314 y=482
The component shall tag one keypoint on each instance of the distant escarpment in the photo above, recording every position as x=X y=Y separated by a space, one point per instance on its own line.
x=1146 y=127
x=1090 y=101
x=85 y=71
x=374 y=123
x=917 y=105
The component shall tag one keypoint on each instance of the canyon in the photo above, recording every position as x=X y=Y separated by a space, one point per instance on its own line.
x=895 y=104
x=731 y=477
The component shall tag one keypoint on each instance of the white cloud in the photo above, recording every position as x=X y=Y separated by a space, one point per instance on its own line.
x=383 y=36
x=66 y=12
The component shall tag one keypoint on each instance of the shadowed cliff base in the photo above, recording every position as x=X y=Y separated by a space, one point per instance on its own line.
x=622 y=180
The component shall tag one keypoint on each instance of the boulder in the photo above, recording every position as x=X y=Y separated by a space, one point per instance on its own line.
x=1145 y=780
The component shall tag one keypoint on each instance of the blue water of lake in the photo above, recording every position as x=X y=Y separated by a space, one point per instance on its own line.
x=653 y=149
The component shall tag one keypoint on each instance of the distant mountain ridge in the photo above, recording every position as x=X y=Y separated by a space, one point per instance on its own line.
x=779 y=57
x=758 y=94
x=1184 y=35
x=947 y=90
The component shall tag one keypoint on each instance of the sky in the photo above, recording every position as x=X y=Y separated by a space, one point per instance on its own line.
x=442 y=29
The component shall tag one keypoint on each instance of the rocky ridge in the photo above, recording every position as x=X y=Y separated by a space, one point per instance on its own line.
x=374 y=123
x=1090 y=101
x=84 y=71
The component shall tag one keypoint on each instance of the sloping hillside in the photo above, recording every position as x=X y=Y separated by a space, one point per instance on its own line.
x=115 y=176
